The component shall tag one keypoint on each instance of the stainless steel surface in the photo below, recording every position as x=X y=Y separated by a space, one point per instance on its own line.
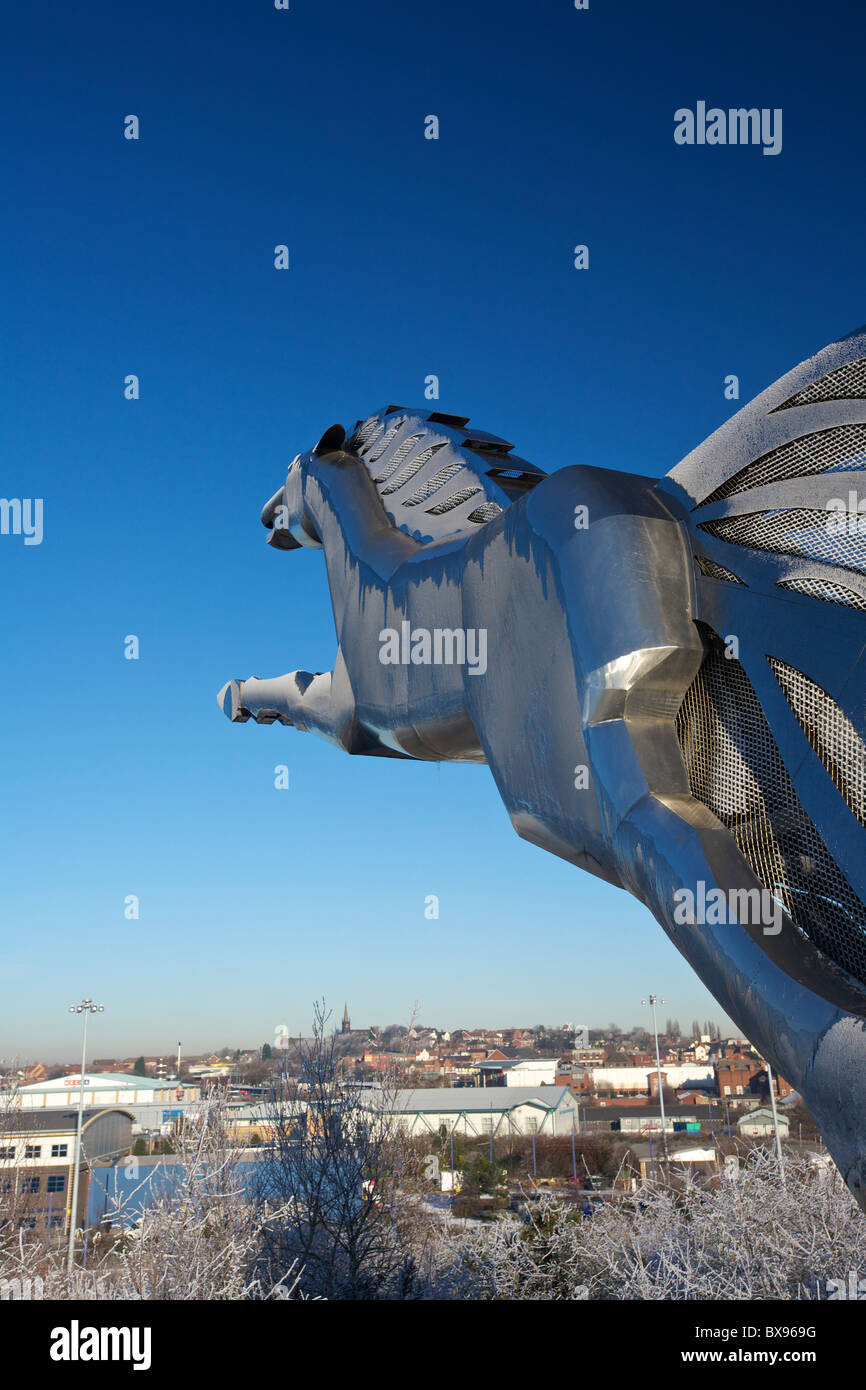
x=695 y=644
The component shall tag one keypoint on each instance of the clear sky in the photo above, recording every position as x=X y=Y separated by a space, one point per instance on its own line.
x=408 y=257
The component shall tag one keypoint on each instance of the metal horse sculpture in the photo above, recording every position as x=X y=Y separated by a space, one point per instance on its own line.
x=666 y=677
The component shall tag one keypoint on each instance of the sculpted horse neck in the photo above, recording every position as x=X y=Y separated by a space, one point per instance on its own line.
x=671 y=693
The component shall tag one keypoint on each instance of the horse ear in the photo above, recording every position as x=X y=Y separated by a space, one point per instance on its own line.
x=332 y=440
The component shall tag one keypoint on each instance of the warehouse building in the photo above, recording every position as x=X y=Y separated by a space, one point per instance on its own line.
x=479 y=1110
x=153 y=1103
x=37 y=1153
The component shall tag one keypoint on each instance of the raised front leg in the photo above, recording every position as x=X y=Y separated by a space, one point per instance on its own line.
x=292 y=699
x=319 y=702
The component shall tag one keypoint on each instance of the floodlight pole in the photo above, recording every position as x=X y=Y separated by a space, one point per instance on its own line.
x=775 y=1124
x=86 y=1007
x=652 y=1002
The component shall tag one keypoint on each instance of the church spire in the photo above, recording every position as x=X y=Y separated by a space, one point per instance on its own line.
x=347 y=1023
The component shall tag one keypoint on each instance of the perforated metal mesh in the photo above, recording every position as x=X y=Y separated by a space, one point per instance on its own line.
x=735 y=769
x=714 y=571
x=455 y=500
x=376 y=450
x=414 y=466
x=488 y=511
x=830 y=732
x=843 y=446
x=842 y=384
x=365 y=432
x=425 y=490
x=813 y=534
x=399 y=454
x=824 y=589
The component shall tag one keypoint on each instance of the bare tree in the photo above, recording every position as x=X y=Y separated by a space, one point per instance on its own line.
x=340 y=1174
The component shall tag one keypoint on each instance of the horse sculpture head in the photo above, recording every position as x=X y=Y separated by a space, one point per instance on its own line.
x=286 y=514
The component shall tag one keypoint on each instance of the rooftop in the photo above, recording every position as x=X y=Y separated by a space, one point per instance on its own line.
x=57 y=1121
x=101 y=1080
x=480 y=1098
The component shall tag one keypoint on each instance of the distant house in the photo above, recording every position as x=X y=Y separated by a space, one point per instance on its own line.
x=589 y=1056
x=760 y=1085
x=699 y=1159
x=733 y=1076
x=617 y=1059
x=759 y=1123
x=385 y=1061
x=578 y=1079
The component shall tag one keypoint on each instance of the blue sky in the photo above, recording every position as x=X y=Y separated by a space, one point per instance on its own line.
x=408 y=257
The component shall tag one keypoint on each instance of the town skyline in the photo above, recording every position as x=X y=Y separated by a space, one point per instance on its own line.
x=715 y=1025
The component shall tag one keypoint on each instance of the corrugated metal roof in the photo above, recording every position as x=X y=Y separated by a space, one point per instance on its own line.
x=479 y=1099
x=55 y=1121
x=102 y=1080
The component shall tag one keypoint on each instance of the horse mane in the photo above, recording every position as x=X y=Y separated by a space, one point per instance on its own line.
x=437 y=477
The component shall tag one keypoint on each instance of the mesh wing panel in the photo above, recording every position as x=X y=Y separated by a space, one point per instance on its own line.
x=734 y=767
x=449 y=503
x=407 y=473
x=488 y=511
x=397 y=457
x=824 y=589
x=799 y=531
x=714 y=571
x=433 y=484
x=422 y=477
x=830 y=732
x=843 y=446
x=377 y=450
x=842 y=384
x=364 y=433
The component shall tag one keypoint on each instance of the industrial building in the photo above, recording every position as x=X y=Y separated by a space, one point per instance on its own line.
x=153 y=1103
x=478 y=1110
x=531 y=1071
x=37 y=1153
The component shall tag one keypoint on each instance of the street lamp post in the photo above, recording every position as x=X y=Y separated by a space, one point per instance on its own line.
x=86 y=1007
x=653 y=1001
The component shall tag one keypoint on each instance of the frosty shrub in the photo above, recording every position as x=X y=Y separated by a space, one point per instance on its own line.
x=745 y=1237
